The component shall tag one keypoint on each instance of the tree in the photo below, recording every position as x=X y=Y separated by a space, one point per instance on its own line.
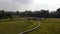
x=8 y=15
x=58 y=12
x=17 y=12
x=2 y=15
x=44 y=13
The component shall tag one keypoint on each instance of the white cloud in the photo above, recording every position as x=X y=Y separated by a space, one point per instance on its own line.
x=29 y=5
x=8 y=5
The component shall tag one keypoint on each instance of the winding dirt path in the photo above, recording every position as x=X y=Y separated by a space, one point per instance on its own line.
x=31 y=29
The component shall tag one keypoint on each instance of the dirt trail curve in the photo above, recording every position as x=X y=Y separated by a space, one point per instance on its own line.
x=31 y=29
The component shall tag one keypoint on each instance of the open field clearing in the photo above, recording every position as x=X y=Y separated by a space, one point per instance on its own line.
x=48 y=26
x=15 y=26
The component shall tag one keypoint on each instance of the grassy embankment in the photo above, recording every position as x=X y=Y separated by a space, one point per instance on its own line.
x=49 y=26
x=15 y=26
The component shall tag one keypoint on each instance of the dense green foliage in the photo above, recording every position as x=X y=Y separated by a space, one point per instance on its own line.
x=38 y=14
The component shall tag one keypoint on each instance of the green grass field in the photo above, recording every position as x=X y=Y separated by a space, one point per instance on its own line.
x=48 y=26
x=15 y=26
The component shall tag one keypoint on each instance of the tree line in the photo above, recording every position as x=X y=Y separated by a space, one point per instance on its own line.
x=27 y=13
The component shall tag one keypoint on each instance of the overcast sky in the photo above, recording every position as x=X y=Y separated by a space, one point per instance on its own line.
x=21 y=5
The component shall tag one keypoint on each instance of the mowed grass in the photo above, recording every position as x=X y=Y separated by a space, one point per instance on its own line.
x=48 y=26
x=15 y=26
